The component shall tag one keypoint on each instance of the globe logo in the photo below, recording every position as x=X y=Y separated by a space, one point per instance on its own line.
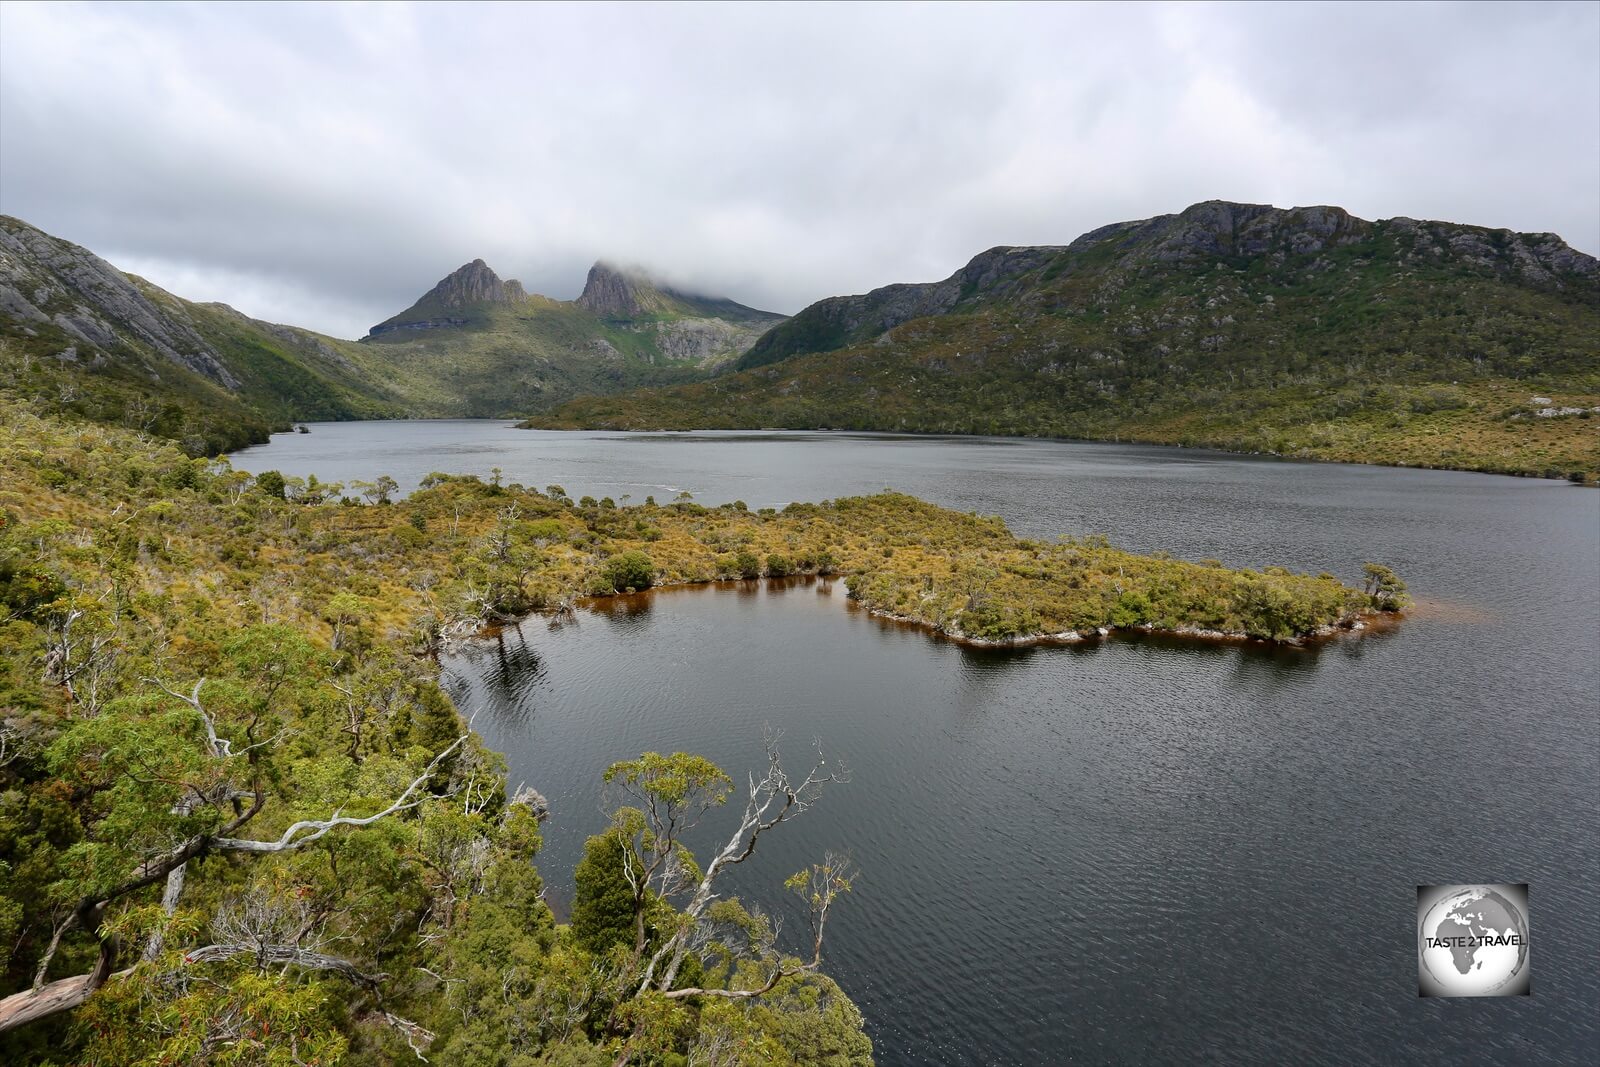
x=1472 y=941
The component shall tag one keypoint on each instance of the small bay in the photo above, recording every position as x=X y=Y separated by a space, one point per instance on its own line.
x=1133 y=850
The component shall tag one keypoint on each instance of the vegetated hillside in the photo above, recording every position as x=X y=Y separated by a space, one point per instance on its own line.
x=485 y=347
x=79 y=336
x=1304 y=332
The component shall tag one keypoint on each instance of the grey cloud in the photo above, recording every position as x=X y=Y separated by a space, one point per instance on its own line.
x=326 y=164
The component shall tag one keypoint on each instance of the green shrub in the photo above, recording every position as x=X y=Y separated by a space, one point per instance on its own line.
x=629 y=570
x=270 y=483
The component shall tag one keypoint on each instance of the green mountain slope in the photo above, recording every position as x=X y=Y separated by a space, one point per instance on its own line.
x=1306 y=332
x=79 y=336
x=477 y=345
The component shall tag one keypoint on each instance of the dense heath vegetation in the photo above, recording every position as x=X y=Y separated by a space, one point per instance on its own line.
x=231 y=790
x=228 y=779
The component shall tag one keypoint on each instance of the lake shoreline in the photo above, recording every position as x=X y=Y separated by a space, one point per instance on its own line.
x=1589 y=480
x=1367 y=622
x=513 y=422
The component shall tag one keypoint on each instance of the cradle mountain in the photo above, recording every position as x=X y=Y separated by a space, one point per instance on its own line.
x=1305 y=332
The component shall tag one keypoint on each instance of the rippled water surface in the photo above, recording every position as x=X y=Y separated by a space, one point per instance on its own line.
x=1141 y=850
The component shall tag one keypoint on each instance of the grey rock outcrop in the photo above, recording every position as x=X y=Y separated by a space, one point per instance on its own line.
x=47 y=280
x=1221 y=229
x=685 y=327
x=708 y=342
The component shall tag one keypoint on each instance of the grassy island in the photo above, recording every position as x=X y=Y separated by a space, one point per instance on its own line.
x=237 y=810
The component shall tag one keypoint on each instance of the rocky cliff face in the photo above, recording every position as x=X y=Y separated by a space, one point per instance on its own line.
x=1218 y=229
x=709 y=343
x=1199 y=238
x=44 y=279
x=683 y=327
x=613 y=293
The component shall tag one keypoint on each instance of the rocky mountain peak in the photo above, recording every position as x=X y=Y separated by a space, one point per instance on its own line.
x=1216 y=228
x=475 y=283
x=449 y=303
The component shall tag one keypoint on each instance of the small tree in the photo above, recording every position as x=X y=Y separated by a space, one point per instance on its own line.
x=671 y=794
x=604 y=904
x=380 y=491
x=1384 y=589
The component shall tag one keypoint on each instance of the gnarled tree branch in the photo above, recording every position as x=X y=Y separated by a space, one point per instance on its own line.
x=772 y=799
x=266 y=955
x=44 y=1000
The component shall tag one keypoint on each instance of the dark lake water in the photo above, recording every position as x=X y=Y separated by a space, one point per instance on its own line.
x=1138 y=851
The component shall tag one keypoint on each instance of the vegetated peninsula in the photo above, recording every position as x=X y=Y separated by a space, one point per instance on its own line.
x=240 y=821
x=238 y=811
x=1304 y=332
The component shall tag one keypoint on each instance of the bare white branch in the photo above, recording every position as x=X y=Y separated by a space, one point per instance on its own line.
x=169 y=904
x=219 y=747
x=308 y=830
x=292 y=955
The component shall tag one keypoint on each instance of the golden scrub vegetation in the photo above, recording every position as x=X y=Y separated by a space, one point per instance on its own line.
x=240 y=822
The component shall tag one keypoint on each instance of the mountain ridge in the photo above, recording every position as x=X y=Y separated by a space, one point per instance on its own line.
x=1210 y=229
x=1299 y=331
x=78 y=335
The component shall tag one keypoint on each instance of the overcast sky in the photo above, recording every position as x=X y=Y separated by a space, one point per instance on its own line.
x=325 y=165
